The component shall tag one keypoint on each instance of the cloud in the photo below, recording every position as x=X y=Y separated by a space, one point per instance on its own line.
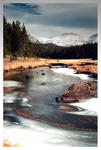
x=23 y=8
x=75 y=15
x=53 y=18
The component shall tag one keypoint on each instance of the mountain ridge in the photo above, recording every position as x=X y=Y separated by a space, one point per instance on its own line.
x=93 y=38
x=64 y=40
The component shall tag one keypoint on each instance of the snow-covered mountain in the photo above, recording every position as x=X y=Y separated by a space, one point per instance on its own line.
x=93 y=39
x=38 y=39
x=64 y=40
x=68 y=39
x=33 y=38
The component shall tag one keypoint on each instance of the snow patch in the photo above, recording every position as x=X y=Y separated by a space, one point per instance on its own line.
x=10 y=98
x=9 y=83
x=67 y=71
x=92 y=105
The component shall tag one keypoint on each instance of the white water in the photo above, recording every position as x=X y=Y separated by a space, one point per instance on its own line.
x=71 y=72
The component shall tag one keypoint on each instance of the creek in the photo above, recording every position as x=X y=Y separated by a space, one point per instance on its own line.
x=30 y=110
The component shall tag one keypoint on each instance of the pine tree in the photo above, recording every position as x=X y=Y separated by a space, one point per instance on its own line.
x=24 y=41
x=7 y=36
x=15 y=41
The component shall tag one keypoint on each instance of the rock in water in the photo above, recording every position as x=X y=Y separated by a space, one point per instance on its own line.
x=78 y=92
x=27 y=77
x=43 y=73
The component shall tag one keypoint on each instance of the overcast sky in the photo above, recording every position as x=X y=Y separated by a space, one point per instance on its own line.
x=49 y=20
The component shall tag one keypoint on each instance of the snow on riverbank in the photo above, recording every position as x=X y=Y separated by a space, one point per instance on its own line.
x=91 y=107
x=91 y=104
x=31 y=133
x=9 y=83
x=72 y=72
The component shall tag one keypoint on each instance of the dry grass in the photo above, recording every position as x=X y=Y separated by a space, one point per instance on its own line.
x=34 y=62
x=87 y=68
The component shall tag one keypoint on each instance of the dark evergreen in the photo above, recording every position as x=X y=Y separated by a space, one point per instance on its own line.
x=7 y=36
x=24 y=41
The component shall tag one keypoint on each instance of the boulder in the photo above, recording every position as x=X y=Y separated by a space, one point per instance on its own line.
x=78 y=92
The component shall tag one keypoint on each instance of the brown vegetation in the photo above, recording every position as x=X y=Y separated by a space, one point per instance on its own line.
x=91 y=68
x=81 y=65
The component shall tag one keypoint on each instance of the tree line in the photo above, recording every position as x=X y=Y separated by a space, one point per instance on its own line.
x=73 y=52
x=17 y=43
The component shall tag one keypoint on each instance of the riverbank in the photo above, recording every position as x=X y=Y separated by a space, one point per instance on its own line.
x=80 y=65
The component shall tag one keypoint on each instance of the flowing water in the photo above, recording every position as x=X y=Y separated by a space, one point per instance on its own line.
x=30 y=110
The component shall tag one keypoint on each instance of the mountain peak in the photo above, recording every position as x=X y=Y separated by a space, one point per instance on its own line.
x=68 y=39
x=66 y=34
x=64 y=40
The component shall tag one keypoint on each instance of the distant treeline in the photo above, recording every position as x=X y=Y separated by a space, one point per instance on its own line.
x=53 y=51
x=17 y=43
